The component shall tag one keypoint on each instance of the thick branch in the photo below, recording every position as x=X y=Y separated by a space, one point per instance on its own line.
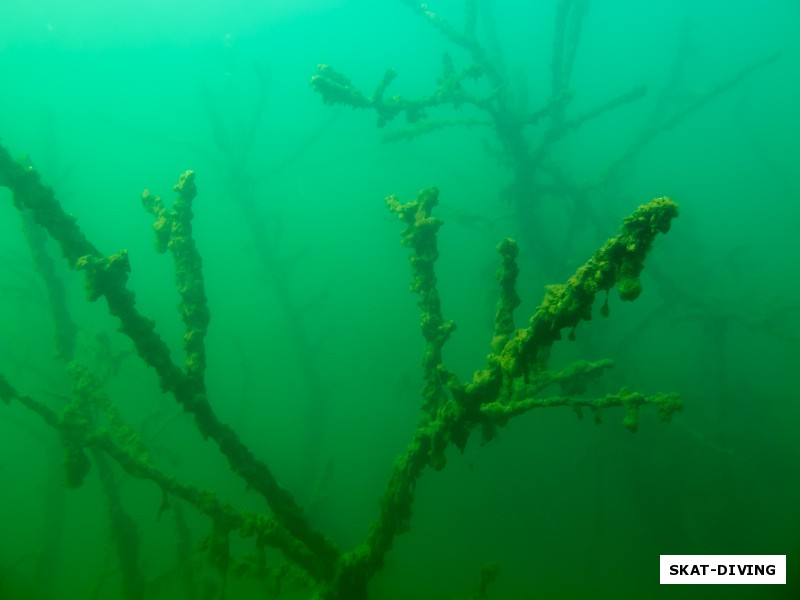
x=108 y=277
x=482 y=402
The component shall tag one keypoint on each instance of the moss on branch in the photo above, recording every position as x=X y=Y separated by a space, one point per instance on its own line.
x=173 y=230
x=508 y=386
x=107 y=277
x=451 y=410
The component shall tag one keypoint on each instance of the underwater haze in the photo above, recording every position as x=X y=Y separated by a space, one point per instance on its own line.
x=257 y=392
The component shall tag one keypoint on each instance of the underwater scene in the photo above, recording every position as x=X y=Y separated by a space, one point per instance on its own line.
x=357 y=300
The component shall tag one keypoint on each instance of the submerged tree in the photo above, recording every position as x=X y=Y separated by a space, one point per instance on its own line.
x=483 y=91
x=515 y=380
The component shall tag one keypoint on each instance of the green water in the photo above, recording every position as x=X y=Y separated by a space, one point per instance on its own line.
x=314 y=345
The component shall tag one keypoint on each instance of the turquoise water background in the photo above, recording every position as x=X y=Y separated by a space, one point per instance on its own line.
x=314 y=345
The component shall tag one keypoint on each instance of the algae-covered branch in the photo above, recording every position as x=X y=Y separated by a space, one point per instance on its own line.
x=92 y=430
